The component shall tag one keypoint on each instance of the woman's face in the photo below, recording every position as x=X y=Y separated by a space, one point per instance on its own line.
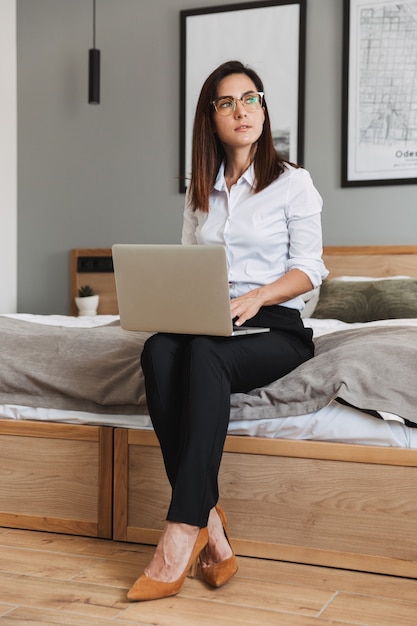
x=240 y=128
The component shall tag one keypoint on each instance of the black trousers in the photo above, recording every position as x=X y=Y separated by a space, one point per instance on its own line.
x=189 y=379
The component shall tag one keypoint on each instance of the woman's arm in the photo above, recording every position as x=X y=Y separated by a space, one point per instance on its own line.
x=304 y=266
x=292 y=284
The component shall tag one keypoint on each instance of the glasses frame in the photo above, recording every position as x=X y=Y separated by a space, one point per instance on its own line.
x=236 y=100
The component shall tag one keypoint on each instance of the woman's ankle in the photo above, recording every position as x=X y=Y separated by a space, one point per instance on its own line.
x=218 y=548
x=172 y=552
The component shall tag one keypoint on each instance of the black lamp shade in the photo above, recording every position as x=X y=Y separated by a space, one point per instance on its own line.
x=94 y=76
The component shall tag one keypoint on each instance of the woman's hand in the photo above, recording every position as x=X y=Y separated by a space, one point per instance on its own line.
x=289 y=286
x=245 y=307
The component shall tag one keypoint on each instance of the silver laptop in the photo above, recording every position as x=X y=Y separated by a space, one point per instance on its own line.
x=174 y=289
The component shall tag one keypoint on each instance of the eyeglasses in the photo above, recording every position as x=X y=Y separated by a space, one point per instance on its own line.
x=226 y=105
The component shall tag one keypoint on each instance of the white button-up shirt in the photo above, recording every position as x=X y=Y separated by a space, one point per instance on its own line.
x=265 y=234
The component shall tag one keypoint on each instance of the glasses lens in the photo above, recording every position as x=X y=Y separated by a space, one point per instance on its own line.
x=252 y=101
x=224 y=106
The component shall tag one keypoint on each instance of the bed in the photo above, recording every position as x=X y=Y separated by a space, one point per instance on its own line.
x=330 y=486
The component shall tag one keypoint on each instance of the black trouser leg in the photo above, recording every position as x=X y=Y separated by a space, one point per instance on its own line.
x=189 y=380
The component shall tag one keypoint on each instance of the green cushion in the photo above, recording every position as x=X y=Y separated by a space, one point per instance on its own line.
x=367 y=300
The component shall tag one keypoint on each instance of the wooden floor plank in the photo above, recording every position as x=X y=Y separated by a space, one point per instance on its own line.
x=39 y=617
x=182 y=611
x=72 y=544
x=92 y=601
x=372 y=611
x=271 y=596
x=46 y=565
x=379 y=585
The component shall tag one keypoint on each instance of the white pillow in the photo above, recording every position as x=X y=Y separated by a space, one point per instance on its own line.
x=359 y=278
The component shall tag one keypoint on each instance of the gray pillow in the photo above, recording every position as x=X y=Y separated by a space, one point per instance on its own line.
x=367 y=300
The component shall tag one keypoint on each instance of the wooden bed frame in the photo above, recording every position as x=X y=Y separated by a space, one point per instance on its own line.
x=340 y=505
x=331 y=504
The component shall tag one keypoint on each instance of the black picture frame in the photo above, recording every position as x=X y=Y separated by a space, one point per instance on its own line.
x=379 y=93
x=276 y=33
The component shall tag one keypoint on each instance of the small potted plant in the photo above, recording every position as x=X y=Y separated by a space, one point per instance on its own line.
x=87 y=301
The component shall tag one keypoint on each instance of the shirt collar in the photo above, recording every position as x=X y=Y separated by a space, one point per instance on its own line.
x=248 y=175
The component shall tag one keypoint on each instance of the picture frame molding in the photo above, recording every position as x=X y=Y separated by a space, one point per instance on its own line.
x=351 y=148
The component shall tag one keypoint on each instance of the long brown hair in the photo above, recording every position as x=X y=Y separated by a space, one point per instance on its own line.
x=208 y=152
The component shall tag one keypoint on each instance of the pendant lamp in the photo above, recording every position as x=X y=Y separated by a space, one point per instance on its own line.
x=94 y=67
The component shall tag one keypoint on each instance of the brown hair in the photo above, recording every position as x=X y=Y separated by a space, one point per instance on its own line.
x=208 y=152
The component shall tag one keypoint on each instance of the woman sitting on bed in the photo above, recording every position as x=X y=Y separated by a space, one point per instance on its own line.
x=266 y=213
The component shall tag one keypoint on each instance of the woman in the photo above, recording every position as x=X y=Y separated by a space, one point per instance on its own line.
x=266 y=213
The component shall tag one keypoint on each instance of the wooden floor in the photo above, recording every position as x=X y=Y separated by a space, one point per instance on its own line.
x=59 y=579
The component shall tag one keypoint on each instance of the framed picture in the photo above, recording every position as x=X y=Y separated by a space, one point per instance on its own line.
x=269 y=37
x=379 y=140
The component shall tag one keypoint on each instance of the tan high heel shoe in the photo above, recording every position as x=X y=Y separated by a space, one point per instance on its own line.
x=218 y=574
x=146 y=588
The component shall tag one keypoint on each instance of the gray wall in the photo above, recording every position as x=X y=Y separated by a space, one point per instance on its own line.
x=91 y=176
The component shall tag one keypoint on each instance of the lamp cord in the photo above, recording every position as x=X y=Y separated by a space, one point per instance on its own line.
x=94 y=23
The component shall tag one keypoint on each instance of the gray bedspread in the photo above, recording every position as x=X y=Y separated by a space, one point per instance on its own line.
x=370 y=368
x=81 y=369
x=98 y=369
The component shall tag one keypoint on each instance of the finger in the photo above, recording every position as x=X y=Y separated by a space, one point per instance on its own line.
x=240 y=321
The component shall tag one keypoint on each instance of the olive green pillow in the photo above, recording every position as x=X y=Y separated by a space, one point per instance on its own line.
x=367 y=300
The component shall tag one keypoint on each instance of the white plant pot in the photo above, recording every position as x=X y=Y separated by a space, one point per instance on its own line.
x=87 y=305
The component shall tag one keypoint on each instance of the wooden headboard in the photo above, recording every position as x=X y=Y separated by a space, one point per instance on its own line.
x=373 y=261
x=93 y=266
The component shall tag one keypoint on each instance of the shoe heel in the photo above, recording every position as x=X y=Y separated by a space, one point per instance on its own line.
x=192 y=572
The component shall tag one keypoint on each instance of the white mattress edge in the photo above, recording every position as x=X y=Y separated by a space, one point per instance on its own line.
x=334 y=423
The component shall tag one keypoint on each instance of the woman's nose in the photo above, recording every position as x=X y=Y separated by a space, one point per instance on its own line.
x=240 y=109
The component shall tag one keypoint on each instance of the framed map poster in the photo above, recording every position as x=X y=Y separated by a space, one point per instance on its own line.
x=269 y=37
x=379 y=137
